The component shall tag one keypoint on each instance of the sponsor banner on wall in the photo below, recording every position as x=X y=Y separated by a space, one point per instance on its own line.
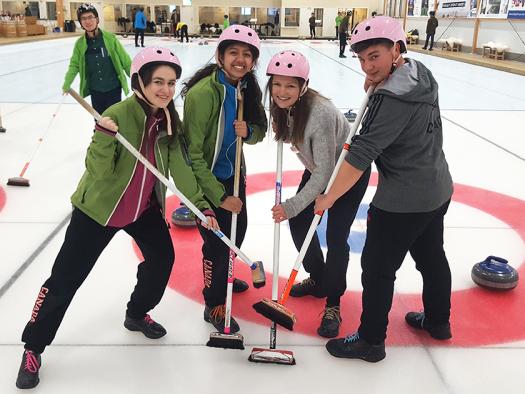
x=516 y=9
x=456 y=8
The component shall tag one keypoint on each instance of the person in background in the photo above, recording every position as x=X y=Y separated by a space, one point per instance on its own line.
x=100 y=60
x=225 y=23
x=338 y=20
x=311 y=22
x=432 y=25
x=173 y=19
x=182 y=29
x=27 y=10
x=140 y=27
x=343 y=33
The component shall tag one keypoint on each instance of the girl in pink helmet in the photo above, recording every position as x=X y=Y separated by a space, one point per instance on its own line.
x=211 y=128
x=402 y=134
x=116 y=193
x=317 y=131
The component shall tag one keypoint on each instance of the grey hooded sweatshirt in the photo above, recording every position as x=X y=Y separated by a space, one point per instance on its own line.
x=324 y=136
x=402 y=133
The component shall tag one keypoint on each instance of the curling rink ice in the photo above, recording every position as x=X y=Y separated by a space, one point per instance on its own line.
x=483 y=114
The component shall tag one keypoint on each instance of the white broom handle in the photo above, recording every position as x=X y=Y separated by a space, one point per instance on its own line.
x=319 y=215
x=170 y=185
x=277 y=226
x=233 y=228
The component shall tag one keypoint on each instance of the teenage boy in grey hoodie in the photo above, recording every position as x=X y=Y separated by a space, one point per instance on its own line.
x=402 y=133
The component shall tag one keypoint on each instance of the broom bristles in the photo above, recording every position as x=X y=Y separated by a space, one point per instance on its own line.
x=226 y=341
x=276 y=313
x=18 y=181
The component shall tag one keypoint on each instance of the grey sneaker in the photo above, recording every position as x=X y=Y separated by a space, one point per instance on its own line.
x=330 y=322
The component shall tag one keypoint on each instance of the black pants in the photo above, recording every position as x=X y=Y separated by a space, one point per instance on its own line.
x=431 y=37
x=337 y=32
x=388 y=239
x=215 y=252
x=84 y=242
x=101 y=101
x=184 y=33
x=342 y=43
x=331 y=275
x=312 y=31
x=141 y=32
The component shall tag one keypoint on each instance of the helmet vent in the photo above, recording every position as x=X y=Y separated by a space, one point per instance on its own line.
x=159 y=51
x=367 y=28
x=290 y=65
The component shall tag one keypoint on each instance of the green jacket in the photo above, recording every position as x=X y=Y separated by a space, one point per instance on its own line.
x=110 y=167
x=204 y=131
x=77 y=65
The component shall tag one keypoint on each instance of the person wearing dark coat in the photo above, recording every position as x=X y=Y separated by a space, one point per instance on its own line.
x=432 y=25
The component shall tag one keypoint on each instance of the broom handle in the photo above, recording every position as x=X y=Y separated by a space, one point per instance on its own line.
x=276 y=239
x=233 y=232
x=170 y=185
x=319 y=215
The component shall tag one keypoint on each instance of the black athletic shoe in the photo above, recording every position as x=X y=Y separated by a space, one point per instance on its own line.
x=354 y=347
x=330 y=322
x=239 y=285
x=307 y=287
x=417 y=320
x=28 y=373
x=149 y=327
x=430 y=49
x=424 y=48
x=342 y=56
x=216 y=316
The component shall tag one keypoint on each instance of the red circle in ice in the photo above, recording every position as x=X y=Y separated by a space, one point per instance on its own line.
x=2 y=198
x=479 y=316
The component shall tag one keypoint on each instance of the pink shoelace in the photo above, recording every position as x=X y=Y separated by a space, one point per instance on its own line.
x=148 y=319
x=31 y=362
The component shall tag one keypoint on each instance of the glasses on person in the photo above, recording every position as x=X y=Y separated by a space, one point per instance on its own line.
x=87 y=18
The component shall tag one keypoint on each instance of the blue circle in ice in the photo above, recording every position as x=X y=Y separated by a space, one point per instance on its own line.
x=356 y=240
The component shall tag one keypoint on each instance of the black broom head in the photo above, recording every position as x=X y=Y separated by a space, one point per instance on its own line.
x=276 y=313
x=226 y=341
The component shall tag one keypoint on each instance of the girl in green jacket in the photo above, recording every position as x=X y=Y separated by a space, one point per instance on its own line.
x=101 y=61
x=116 y=193
x=211 y=128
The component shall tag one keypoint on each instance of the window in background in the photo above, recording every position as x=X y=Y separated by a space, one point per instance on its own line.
x=291 y=16
x=51 y=7
x=318 y=13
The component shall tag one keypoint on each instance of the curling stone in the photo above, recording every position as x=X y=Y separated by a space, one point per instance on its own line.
x=183 y=217
x=495 y=273
x=350 y=115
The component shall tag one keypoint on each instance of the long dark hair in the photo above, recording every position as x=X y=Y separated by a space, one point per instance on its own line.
x=300 y=112
x=253 y=109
